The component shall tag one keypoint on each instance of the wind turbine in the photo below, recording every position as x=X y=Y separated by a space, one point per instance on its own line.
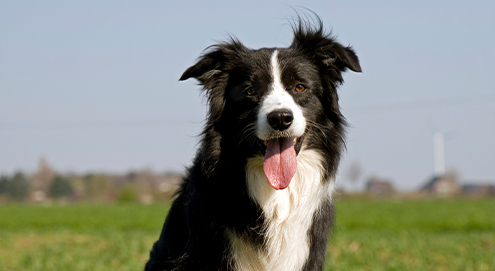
x=439 y=151
x=439 y=148
x=439 y=154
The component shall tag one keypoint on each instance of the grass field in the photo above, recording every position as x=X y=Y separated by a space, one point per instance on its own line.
x=369 y=235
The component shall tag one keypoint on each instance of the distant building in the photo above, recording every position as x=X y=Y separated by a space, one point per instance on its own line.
x=379 y=187
x=478 y=190
x=41 y=181
x=443 y=186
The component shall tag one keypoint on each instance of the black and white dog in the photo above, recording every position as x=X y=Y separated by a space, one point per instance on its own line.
x=259 y=193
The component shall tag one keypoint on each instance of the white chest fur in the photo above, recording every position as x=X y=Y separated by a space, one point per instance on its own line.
x=288 y=214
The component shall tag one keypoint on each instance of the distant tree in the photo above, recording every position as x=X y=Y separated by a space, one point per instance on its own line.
x=18 y=187
x=60 y=187
x=3 y=184
x=131 y=176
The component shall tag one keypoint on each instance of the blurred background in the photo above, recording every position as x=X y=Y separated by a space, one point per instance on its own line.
x=92 y=87
x=91 y=109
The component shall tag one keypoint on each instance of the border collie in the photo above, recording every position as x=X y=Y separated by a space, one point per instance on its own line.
x=258 y=195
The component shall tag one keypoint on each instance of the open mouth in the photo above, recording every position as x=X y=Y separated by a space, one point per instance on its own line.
x=297 y=141
x=280 y=160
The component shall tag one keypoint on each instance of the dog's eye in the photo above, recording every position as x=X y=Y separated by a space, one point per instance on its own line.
x=250 y=91
x=253 y=88
x=300 y=88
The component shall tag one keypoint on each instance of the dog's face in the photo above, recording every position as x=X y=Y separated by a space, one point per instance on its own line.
x=276 y=102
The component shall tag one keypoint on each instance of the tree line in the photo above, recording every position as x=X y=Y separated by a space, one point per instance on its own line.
x=17 y=187
x=46 y=185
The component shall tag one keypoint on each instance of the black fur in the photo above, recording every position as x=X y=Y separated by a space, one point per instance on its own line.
x=213 y=196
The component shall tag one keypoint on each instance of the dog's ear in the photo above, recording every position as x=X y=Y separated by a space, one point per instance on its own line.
x=324 y=51
x=213 y=63
x=208 y=65
x=342 y=57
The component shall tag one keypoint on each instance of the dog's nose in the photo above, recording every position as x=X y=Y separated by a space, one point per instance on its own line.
x=280 y=120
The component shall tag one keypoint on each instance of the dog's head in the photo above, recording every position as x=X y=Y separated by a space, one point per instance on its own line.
x=276 y=102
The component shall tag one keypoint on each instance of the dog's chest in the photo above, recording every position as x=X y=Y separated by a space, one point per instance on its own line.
x=288 y=213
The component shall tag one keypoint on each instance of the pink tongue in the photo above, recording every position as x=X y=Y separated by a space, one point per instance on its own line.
x=280 y=162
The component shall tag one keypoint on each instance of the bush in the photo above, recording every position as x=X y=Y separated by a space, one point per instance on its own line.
x=60 y=187
x=3 y=184
x=17 y=188
x=128 y=194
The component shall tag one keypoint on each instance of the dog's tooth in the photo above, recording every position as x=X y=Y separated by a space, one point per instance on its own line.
x=266 y=142
x=295 y=140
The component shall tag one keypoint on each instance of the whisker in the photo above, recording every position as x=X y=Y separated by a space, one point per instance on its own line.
x=248 y=134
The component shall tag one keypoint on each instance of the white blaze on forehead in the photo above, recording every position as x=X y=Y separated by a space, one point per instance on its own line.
x=278 y=99
x=277 y=81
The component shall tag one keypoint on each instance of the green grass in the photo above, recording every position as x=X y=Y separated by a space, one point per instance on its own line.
x=81 y=237
x=413 y=235
x=83 y=217
x=369 y=235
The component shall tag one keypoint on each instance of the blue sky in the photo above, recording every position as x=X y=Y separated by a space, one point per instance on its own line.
x=93 y=85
